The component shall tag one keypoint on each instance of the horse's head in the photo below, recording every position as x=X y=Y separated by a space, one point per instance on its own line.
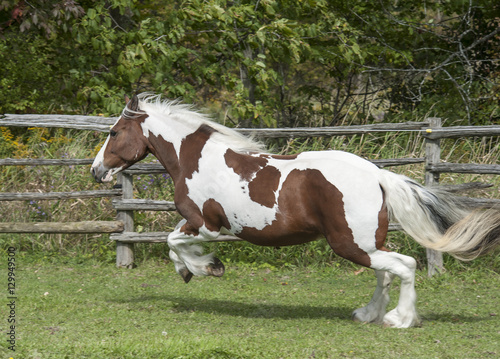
x=125 y=144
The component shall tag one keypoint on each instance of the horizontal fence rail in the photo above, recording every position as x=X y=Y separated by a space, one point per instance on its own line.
x=462 y=131
x=298 y=132
x=45 y=162
x=143 y=205
x=102 y=124
x=83 y=227
x=122 y=230
x=162 y=237
x=37 y=196
x=159 y=237
x=464 y=168
x=93 y=123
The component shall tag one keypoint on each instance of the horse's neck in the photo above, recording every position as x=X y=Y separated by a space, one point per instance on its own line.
x=181 y=160
x=165 y=152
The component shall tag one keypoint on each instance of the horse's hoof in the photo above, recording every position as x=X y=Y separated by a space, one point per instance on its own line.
x=216 y=268
x=186 y=275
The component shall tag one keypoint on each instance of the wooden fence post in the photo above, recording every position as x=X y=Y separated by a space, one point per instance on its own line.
x=433 y=156
x=125 y=251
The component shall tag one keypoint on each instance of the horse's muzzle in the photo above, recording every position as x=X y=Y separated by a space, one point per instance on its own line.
x=99 y=174
x=94 y=174
x=102 y=173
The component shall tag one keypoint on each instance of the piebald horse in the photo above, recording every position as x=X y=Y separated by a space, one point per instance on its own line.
x=226 y=183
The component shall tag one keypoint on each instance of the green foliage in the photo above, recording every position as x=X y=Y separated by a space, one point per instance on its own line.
x=258 y=63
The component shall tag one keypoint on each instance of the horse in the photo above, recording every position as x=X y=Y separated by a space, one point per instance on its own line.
x=226 y=183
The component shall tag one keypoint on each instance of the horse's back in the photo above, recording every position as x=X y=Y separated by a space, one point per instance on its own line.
x=337 y=178
x=350 y=174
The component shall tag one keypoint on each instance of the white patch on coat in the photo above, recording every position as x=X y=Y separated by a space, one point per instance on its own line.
x=173 y=131
x=215 y=180
x=98 y=160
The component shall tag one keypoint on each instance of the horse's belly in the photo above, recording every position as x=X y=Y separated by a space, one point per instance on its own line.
x=277 y=238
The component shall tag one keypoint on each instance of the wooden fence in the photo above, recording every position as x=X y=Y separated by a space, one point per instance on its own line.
x=122 y=230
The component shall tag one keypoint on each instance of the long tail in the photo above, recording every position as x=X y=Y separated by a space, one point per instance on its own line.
x=437 y=221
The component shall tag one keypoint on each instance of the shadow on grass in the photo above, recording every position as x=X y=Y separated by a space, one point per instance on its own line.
x=272 y=310
x=241 y=309
x=454 y=318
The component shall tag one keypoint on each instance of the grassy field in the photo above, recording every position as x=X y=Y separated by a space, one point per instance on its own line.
x=74 y=308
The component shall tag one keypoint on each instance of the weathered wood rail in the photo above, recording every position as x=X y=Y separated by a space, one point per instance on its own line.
x=44 y=162
x=93 y=123
x=37 y=196
x=122 y=230
x=62 y=227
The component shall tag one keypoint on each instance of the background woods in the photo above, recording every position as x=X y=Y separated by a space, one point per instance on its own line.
x=258 y=63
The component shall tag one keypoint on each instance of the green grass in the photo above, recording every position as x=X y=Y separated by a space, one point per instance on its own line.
x=81 y=308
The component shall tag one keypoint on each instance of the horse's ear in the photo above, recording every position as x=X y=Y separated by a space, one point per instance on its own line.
x=132 y=104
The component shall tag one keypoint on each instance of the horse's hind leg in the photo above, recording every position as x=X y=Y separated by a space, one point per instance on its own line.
x=387 y=265
x=374 y=312
x=405 y=313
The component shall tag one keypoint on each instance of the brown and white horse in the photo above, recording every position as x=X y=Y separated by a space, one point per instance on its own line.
x=225 y=183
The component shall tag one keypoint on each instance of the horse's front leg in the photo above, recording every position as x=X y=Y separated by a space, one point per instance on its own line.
x=188 y=257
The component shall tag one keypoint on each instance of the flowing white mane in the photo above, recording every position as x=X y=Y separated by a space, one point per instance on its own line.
x=176 y=111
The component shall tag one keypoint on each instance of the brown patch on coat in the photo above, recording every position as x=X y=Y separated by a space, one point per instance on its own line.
x=383 y=226
x=309 y=206
x=334 y=224
x=214 y=216
x=296 y=220
x=190 y=229
x=244 y=165
x=187 y=208
x=280 y=157
x=189 y=158
x=165 y=152
x=191 y=147
x=262 y=189
x=181 y=166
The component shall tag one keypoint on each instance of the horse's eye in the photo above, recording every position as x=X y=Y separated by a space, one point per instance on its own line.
x=112 y=133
